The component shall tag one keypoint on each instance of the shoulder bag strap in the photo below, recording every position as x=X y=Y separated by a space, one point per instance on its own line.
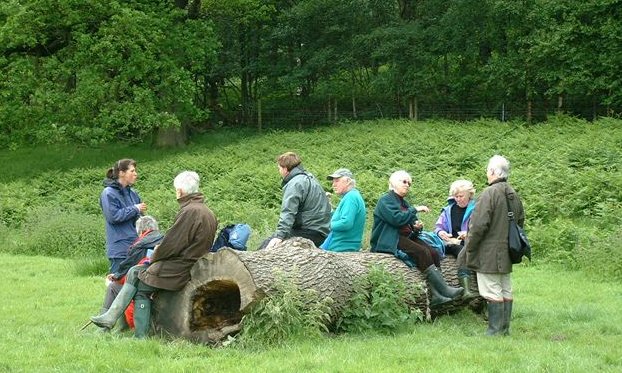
x=510 y=212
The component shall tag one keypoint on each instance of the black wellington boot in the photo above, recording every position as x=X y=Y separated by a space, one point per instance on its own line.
x=495 y=318
x=507 y=316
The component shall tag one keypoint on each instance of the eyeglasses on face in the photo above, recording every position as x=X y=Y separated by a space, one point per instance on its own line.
x=406 y=182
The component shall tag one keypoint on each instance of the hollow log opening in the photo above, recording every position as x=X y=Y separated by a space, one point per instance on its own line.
x=216 y=305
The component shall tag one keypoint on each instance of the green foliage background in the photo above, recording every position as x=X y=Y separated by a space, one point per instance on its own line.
x=95 y=71
x=567 y=170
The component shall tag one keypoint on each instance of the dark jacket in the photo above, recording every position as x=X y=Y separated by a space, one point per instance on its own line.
x=190 y=237
x=487 y=241
x=388 y=218
x=118 y=205
x=304 y=205
x=138 y=251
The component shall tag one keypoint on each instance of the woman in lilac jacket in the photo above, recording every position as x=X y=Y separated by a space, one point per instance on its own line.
x=452 y=226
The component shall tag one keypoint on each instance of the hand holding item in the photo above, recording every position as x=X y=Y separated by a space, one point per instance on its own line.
x=422 y=208
x=142 y=207
x=444 y=235
x=462 y=235
x=273 y=242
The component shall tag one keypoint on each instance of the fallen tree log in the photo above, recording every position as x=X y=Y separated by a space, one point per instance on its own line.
x=225 y=285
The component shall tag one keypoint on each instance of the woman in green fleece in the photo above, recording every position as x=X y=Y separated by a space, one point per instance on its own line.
x=395 y=231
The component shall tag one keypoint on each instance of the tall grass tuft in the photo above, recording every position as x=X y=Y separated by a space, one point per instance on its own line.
x=286 y=314
x=89 y=266
x=381 y=302
x=52 y=231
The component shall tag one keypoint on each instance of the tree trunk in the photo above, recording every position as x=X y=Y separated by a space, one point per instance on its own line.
x=170 y=137
x=259 y=119
x=225 y=285
x=416 y=109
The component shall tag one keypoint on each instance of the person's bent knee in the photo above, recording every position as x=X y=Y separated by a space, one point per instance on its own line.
x=132 y=274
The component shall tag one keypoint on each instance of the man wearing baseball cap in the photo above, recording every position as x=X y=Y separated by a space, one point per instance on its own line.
x=348 y=220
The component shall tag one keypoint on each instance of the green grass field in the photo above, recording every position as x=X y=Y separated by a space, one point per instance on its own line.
x=563 y=322
x=567 y=301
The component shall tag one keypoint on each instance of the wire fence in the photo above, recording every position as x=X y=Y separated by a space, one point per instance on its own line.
x=279 y=117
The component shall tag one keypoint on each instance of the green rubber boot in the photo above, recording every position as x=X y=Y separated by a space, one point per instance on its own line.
x=142 y=317
x=437 y=299
x=123 y=299
x=436 y=281
x=465 y=282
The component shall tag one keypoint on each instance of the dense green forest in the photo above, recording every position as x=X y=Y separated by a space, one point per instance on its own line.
x=94 y=71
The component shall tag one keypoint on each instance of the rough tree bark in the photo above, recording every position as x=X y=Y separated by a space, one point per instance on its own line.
x=225 y=285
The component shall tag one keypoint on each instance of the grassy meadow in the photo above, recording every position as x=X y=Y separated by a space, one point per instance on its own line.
x=568 y=172
x=563 y=322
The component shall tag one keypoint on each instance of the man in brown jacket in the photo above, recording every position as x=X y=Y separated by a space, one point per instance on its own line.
x=487 y=244
x=190 y=237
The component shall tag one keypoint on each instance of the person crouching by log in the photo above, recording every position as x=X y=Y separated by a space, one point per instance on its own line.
x=305 y=209
x=190 y=237
x=148 y=237
x=395 y=232
x=348 y=221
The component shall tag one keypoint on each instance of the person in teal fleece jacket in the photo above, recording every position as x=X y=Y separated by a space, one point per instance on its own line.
x=348 y=220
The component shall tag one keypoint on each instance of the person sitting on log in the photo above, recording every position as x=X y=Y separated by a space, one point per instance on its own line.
x=305 y=209
x=395 y=232
x=348 y=221
x=148 y=237
x=452 y=226
x=190 y=237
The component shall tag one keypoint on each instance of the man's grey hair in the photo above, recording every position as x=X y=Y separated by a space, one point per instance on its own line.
x=187 y=181
x=146 y=223
x=499 y=166
x=350 y=181
x=397 y=178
